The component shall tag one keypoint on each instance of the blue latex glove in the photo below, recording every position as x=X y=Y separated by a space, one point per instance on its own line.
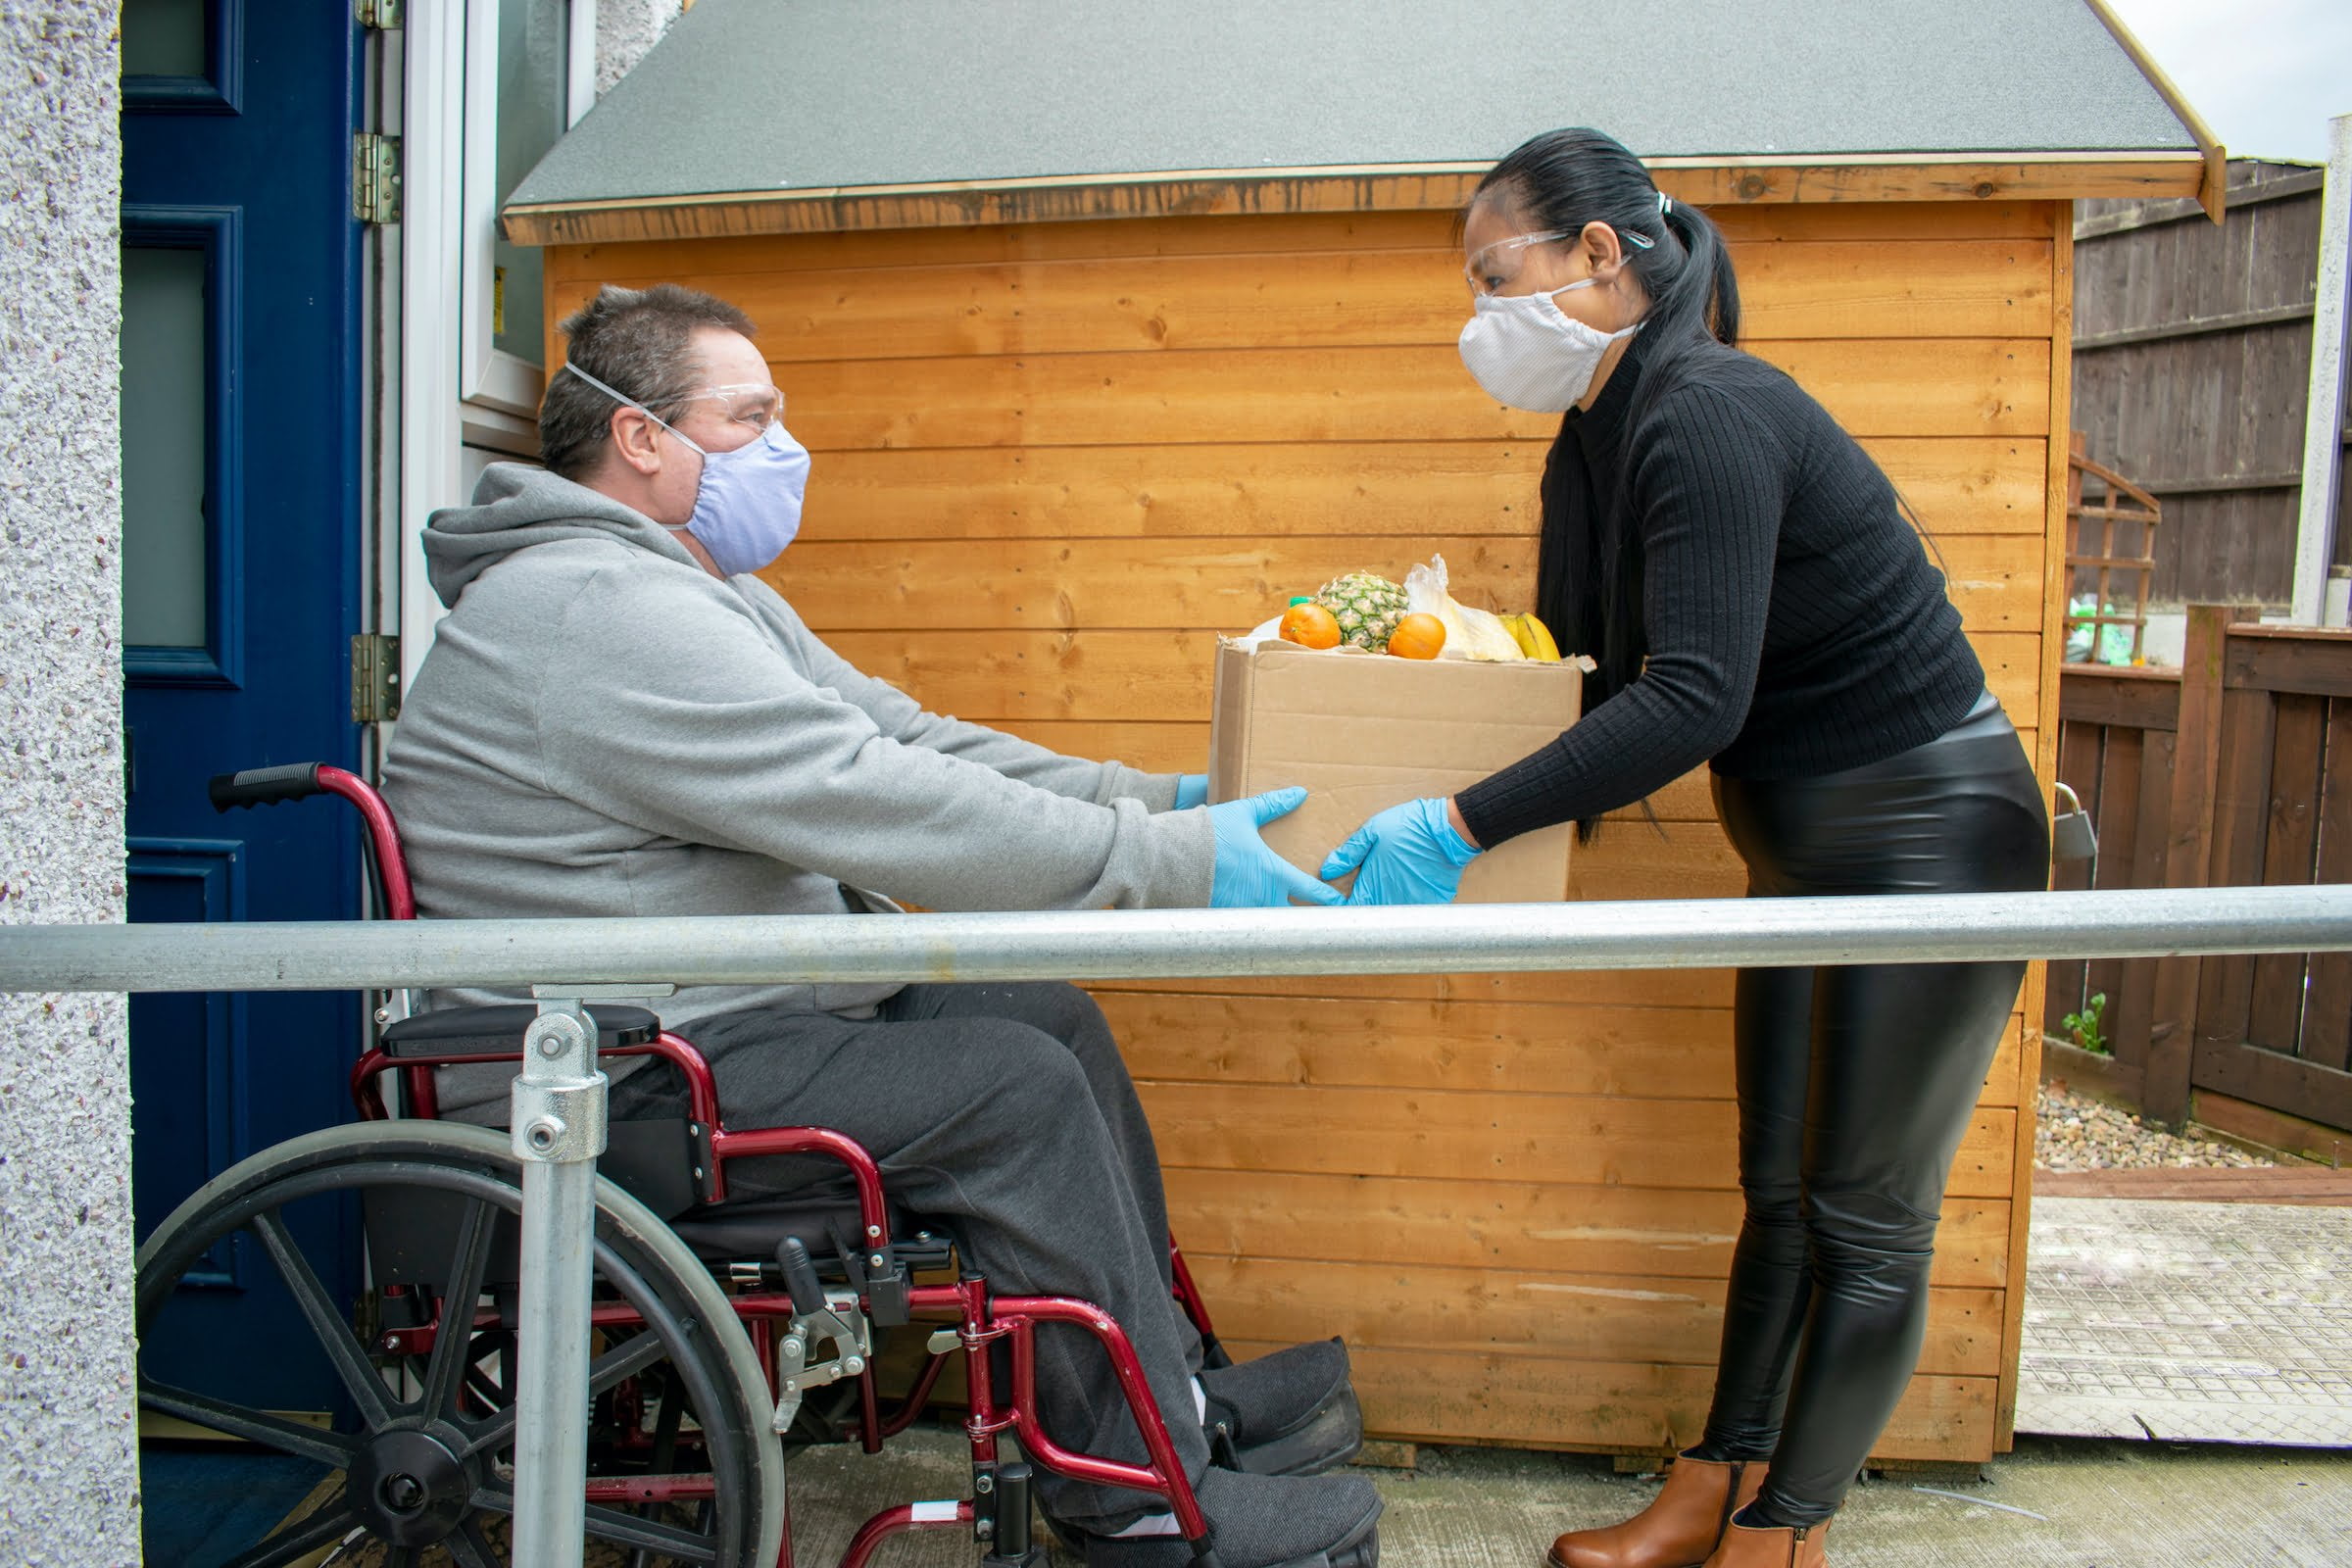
x=1248 y=875
x=1408 y=854
x=1192 y=790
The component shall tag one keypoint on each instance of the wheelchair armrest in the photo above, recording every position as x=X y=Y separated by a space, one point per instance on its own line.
x=497 y=1031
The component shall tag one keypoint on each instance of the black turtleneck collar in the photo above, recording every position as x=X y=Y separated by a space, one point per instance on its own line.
x=1599 y=428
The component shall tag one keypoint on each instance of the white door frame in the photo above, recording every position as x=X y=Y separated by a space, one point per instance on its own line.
x=456 y=389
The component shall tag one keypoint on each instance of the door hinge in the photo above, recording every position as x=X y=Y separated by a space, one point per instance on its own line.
x=375 y=178
x=381 y=15
x=374 y=678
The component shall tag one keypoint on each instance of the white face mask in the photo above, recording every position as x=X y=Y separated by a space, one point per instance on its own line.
x=1530 y=354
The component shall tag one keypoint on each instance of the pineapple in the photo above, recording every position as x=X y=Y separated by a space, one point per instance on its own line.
x=1366 y=606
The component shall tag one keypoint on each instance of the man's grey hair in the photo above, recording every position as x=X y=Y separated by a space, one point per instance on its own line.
x=636 y=340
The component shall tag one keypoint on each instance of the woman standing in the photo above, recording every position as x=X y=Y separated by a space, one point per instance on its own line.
x=1757 y=600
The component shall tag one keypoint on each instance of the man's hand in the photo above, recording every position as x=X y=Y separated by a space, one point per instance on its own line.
x=1408 y=854
x=1248 y=875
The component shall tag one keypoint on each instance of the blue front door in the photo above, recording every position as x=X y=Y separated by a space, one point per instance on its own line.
x=243 y=347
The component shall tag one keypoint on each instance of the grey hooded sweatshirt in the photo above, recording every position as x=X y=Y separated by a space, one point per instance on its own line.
x=604 y=728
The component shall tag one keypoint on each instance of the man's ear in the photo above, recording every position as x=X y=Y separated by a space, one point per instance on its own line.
x=634 y=436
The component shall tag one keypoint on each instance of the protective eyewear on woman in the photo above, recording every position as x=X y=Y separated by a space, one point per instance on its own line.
x=1496 y=267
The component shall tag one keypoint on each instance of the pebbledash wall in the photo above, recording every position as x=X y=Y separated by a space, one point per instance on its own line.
x=69 y=1476
x=625 y=29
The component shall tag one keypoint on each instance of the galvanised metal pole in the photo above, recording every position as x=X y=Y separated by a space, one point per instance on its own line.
x=557 y=1113
x=559 y=956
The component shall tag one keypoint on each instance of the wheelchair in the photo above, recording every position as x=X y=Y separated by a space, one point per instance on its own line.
x=722 y=1331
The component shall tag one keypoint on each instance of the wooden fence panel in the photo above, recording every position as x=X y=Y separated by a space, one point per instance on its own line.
x=2328 y=1001
x=2247 y=781
x=2192 y=361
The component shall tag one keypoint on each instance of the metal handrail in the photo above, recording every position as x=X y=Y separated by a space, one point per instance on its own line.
x=558 y=1110
x=1176 y=943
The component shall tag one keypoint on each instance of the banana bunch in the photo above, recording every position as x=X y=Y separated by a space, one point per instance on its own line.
x=1532 y=636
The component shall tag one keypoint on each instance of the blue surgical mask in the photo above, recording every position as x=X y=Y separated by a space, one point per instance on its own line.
x=746 y=504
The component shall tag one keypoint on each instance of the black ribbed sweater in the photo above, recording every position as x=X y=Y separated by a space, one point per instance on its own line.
x=1794 y=625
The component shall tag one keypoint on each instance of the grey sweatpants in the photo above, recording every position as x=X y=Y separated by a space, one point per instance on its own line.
x=1006 y=1113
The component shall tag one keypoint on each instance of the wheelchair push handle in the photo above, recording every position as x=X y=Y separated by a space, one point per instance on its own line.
x=263 y=785
x=297 y=781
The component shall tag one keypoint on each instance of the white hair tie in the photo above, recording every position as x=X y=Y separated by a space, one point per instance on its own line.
x=1665 y=204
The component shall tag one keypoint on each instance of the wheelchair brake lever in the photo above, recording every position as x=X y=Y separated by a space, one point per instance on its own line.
x=837 y=1325
x=800 y=1283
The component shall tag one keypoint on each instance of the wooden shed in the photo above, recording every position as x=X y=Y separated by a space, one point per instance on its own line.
x=1112 y=325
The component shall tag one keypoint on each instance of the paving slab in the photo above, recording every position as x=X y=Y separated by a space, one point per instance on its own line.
x=2210 y=1322
x=2083 y=1504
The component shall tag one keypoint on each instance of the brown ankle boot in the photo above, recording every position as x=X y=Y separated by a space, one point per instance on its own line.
x=1744 y=1547
x=1682 y=1523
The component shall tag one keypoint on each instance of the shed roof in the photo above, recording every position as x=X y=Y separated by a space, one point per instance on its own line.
x=777 y=99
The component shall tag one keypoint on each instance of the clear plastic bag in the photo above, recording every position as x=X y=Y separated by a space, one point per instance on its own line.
x=1470 y=633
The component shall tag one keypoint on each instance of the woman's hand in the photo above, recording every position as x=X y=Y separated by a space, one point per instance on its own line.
x=1408 y=854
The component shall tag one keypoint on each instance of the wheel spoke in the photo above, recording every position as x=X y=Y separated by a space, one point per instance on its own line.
x=453 y=1349
x=628 y=1357
x=334 y=1332
x=298 y=1543
x=254 y=1426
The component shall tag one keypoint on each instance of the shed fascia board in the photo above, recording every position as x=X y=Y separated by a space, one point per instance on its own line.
x=2155 y=172
x=2212 y=193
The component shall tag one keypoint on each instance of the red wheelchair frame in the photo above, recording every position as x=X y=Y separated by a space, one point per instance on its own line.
x=982 y=1318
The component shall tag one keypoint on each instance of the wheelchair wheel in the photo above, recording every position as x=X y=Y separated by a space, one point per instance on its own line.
x=424 y=1472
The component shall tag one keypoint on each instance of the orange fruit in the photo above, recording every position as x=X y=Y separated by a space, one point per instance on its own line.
x=1417 y=637
x=1309 y=625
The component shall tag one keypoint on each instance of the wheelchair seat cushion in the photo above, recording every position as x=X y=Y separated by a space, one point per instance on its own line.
x=498 y=1030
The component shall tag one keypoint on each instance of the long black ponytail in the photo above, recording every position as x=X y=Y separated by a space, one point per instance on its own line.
x=1589 y=566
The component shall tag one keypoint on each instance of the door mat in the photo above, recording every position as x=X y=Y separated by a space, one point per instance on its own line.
x=204 y=1503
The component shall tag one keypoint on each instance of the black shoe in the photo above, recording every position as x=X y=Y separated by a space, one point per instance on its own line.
x=1264 y=1522
x=1291 y=1413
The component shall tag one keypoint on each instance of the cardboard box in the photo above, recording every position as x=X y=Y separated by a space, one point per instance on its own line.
x=1364 y=731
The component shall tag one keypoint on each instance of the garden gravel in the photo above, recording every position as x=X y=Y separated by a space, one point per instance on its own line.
x=2075 y=1132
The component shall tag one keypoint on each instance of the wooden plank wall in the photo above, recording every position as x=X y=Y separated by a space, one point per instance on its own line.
x=1054 y=461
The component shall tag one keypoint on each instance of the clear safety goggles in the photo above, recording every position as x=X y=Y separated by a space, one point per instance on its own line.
x=755 y=404
x=1495 y=267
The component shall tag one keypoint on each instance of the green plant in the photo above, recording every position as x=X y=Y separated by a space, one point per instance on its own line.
x=2084 y=1027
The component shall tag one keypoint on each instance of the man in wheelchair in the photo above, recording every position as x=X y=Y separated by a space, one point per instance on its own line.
x=617 y=718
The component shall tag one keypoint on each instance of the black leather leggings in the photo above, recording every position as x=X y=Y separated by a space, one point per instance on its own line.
x=1855 y=1087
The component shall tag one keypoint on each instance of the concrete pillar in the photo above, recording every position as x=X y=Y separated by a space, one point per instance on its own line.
x=69 y=1458
x=2323 y=411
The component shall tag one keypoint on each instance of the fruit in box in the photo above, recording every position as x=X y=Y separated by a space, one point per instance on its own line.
x=1418 y=637
x=1309 y=625
x=1366 y=606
